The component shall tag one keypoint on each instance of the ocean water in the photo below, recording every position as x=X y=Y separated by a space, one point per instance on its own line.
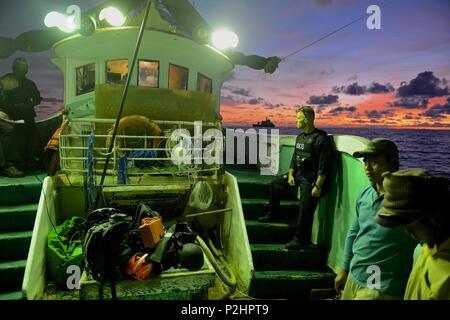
x=427 y=149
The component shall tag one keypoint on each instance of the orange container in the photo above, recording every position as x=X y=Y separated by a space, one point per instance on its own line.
x=152 y=230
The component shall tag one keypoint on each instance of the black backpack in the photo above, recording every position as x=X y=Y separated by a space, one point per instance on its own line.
x=106 y=249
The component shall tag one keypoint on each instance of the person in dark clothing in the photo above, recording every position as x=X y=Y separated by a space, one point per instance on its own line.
x=21 y=95
x=9 y=155
x=308 y=169
x=9 y=149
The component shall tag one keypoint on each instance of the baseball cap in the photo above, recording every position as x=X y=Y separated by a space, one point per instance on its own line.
x=378 y=146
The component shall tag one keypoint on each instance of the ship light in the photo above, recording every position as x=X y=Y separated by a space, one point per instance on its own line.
x=224 y=39
x=113 y=16
x=56 y=19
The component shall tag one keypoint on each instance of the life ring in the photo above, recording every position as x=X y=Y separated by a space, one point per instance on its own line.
x=133 y=124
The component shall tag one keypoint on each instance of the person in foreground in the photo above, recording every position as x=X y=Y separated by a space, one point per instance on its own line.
x=421 y=202
x=377 y=260
x=308 y=169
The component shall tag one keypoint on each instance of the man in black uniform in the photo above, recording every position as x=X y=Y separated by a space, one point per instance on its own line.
x=21 y=96
x=309 y=166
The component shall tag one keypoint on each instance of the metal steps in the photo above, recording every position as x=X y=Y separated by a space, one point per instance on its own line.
x=279 y=273
x=11 y=273
x=17 y=217
x=276 y=232
x=15 y=295
x=18 y=205
x=14 y=245
x=254 y=208
x=16 y=191
x=268 y=257
x=289 y=284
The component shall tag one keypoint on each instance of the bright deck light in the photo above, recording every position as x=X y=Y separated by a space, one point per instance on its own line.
x=56 y=19
x=113 y=16
x=223 y=39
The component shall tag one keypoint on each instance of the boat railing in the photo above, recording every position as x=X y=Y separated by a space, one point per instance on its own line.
x=84 y=145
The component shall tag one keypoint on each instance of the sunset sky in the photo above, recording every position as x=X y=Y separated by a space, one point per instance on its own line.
x=395 y=76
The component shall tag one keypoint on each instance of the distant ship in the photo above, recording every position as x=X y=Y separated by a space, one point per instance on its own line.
x=265 y=123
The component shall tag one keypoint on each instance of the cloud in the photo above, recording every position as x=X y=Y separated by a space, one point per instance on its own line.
x=239 y=91
x=269 y=105
x=323 y=99
x=425 y=84
x=438 y=111
x=339 y=110
x=355 y=89
x=410 y=103
x=352 y=78
x=231 y=100
x=256 y=100
x=409 y=116
x=378 y=114
x=376 y=87
x=328 y=72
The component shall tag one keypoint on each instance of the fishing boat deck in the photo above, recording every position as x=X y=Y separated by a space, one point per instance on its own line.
x=36 y=177
x=14 y=191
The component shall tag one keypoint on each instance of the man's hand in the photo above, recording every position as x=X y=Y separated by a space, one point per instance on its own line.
x=291 y=180
x=272 y=64
x=340 y=280
x=315 y=192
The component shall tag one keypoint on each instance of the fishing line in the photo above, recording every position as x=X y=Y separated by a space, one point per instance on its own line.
x=326 y=36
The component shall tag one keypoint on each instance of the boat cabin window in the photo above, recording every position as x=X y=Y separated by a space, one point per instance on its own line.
x=85 y=79
x=116 y=71
x=148 y=75
x=204 y=84
x=178 y=77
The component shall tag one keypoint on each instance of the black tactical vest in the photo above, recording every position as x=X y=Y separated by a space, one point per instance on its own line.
x=307 y=155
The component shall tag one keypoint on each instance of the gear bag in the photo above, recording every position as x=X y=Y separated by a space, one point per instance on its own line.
x=64 y=248
x=106 y=247
x=143 y=211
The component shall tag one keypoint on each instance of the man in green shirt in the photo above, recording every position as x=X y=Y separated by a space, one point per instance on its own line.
x=421 y=202
x=377 y=260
